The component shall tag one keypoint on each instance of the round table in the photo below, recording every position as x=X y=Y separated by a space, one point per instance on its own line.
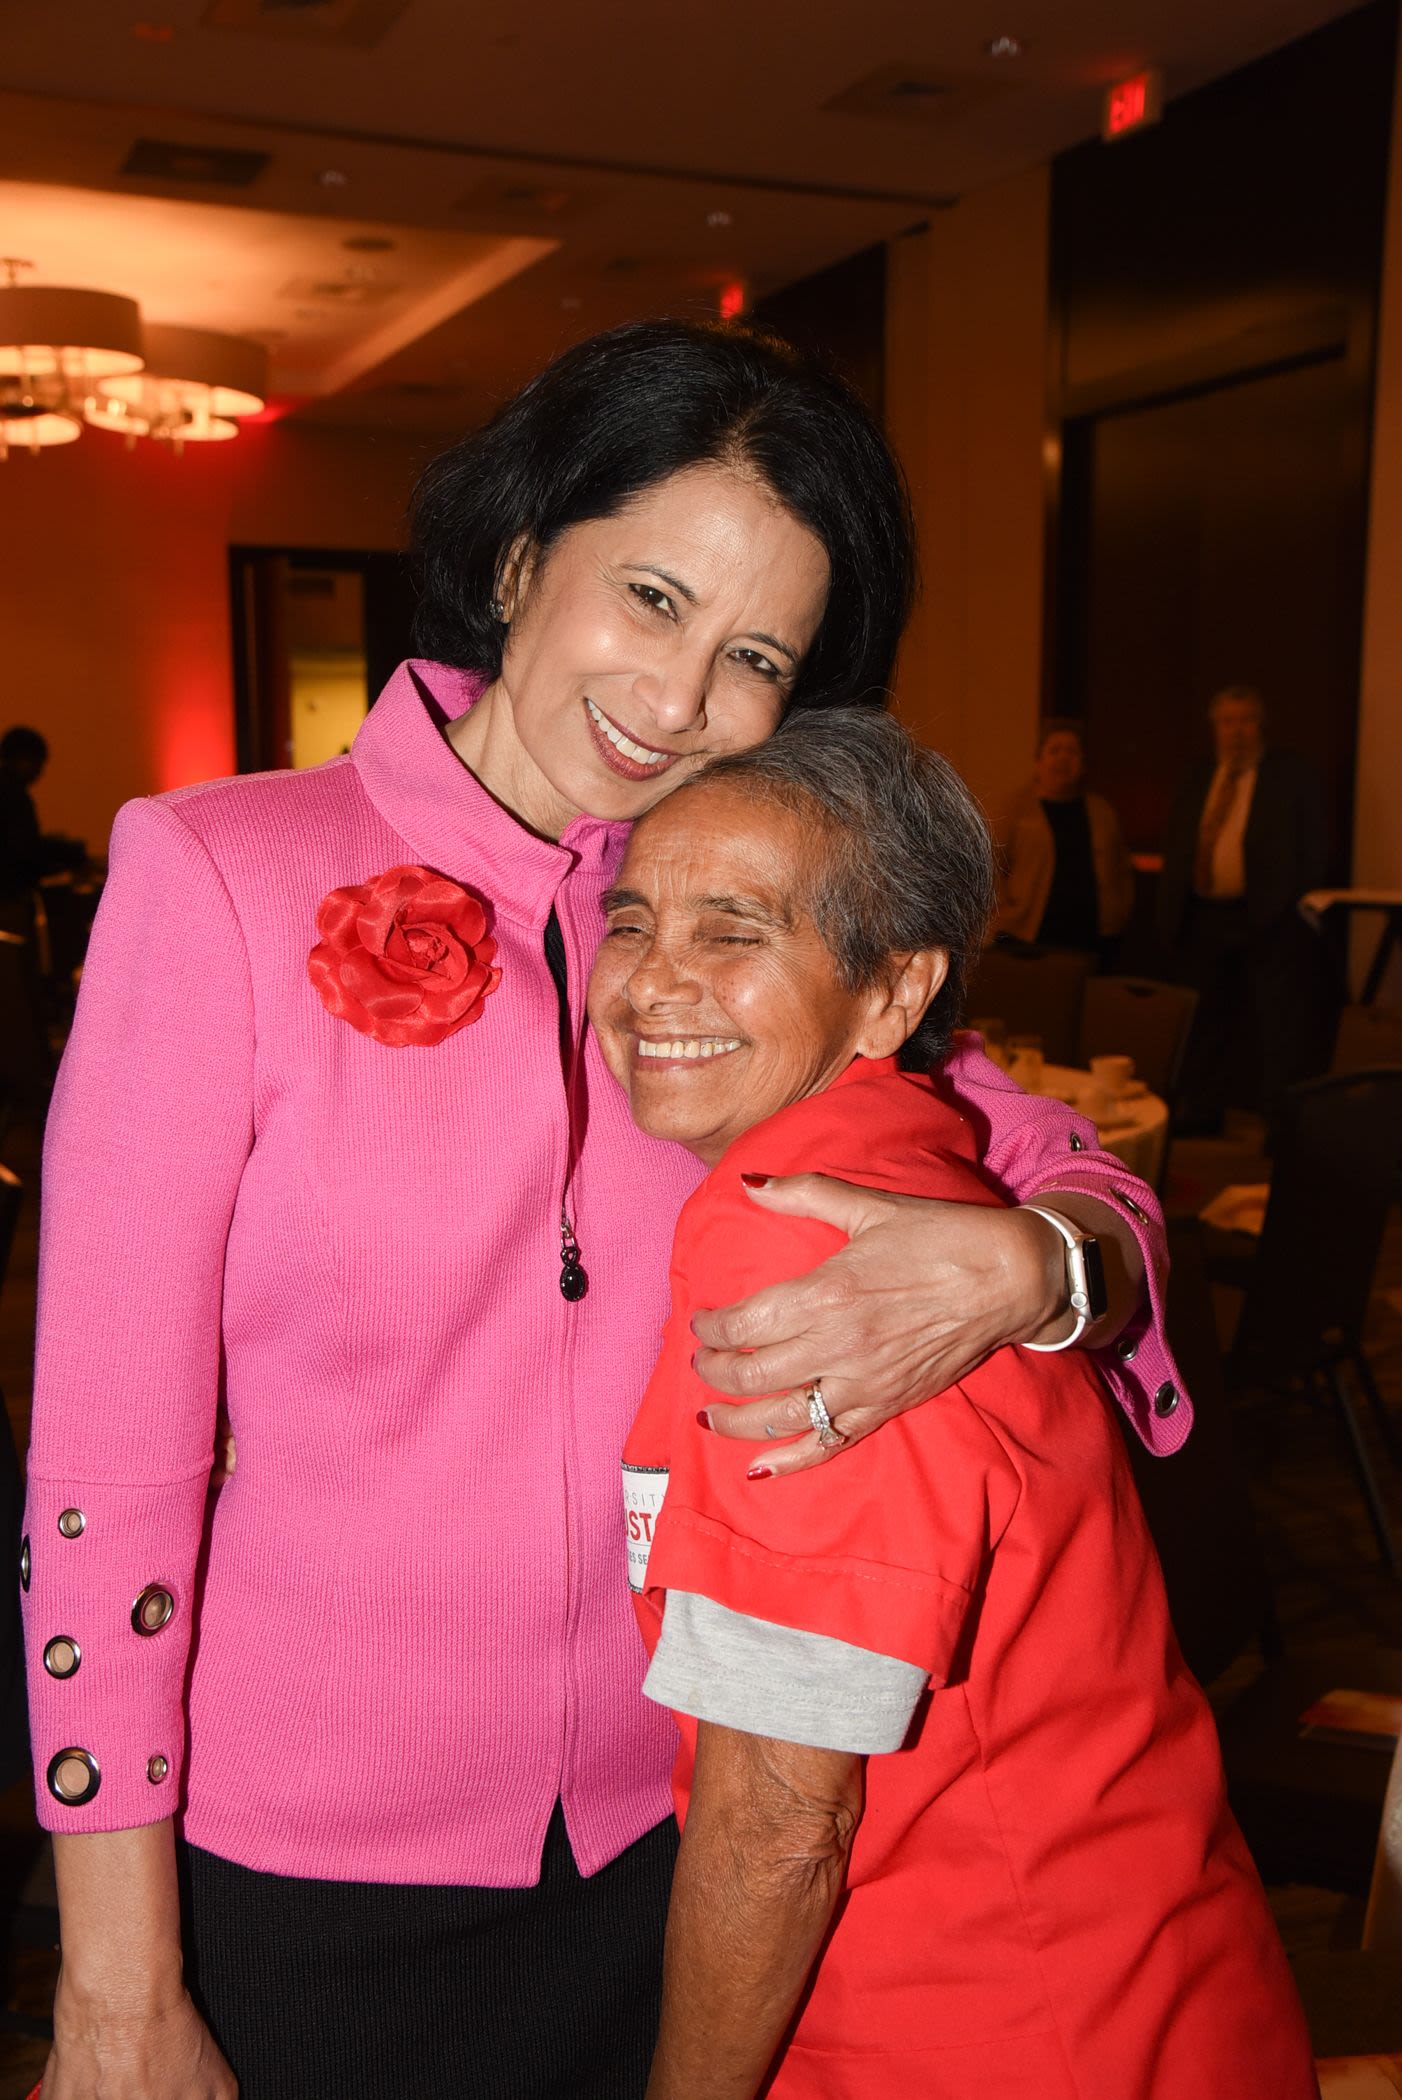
x=1136 y=1129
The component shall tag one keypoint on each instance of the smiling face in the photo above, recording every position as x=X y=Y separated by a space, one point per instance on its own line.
x=643 y=644
x=1060 y=764
x=714 y=997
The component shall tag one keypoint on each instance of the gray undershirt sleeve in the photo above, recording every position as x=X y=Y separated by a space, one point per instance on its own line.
x=724 y=1666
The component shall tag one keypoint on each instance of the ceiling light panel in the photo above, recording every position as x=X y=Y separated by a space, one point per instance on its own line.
x=914 y=94
x=162 y=160
x=356 y=22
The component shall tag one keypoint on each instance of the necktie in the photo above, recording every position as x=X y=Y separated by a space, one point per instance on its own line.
x=1214 y=819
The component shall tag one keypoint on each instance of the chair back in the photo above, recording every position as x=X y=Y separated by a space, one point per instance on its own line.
x=26 y=1062
x=1382 y=1926
x=1368 y=1036
x=1337 y=1154
x=68 y=910
x=1140 y=1018
x=11 y=1197
x=1035 y=991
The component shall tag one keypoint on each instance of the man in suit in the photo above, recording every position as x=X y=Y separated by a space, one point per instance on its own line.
x=1245 y=842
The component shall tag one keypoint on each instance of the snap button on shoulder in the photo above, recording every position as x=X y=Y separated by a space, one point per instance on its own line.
x=1126 y=1350
x=1078 y=1143
x=72 y=1523
x=25 y=1563
x=152 y=1609
x=156 y=1768
x=62 y=1656
x=1165 y=1399
x=73 y=1777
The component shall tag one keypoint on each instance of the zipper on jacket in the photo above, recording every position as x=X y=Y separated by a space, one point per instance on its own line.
x=574 y=1281
x=573 y=1285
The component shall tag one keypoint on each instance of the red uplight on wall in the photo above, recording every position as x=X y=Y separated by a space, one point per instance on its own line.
x=1131 y=104
x=190 y=729
x=732 y=301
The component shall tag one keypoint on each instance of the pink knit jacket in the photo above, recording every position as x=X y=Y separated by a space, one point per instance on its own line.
x=402 y=1628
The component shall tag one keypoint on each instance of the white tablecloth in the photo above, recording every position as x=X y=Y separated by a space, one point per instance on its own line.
x=1136 y=1130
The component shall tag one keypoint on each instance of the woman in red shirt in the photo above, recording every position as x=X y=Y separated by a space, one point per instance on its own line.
x=955 y=1820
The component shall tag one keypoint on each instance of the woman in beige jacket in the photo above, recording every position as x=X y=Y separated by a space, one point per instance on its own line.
x=1067 y=880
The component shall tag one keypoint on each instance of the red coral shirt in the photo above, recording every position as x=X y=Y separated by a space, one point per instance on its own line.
x=1048 y=1894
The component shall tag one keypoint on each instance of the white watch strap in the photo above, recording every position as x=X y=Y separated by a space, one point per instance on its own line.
x=1079 y=1295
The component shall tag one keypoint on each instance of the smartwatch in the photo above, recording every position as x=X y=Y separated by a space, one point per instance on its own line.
x=1085 y=1278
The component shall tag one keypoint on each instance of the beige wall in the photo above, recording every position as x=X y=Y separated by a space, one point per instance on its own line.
x=966 y=395
x=115 y=594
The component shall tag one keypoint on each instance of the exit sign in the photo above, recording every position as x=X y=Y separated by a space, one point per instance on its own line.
x=1131 y=104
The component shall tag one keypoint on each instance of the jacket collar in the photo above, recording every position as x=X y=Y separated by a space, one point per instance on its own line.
x=443 y=813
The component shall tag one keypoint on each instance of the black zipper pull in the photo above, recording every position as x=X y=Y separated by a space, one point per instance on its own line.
x=573 y=1281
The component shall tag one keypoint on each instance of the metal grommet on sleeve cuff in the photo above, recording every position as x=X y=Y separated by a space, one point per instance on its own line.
x=157 y=1768
x=25 y=1563
x=62 y=1656
x=73 y=1777
x=72 y=1523
x=1165 y=1400
x=1131 y=1206
x=152 y=1609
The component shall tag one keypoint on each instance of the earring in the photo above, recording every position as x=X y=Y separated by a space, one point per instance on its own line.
x=499 y=613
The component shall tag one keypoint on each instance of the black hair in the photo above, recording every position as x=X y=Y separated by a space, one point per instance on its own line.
x=24 y=745
x=624 y=411
x=902 y=858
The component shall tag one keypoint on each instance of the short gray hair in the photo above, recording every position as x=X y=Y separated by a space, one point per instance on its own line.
x=904 y=860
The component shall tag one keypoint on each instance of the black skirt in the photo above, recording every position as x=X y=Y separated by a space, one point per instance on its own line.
x=344 y=1990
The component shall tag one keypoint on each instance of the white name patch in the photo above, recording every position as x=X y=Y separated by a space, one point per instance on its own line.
x=644 y=1491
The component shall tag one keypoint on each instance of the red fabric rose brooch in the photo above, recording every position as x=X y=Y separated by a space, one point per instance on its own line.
x=404 y=958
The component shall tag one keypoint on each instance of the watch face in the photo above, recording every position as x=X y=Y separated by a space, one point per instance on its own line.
x=1095 y=1279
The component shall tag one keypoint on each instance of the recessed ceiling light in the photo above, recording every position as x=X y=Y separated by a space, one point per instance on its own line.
x=333 y=178
x=1006 y=46
x=720 y=218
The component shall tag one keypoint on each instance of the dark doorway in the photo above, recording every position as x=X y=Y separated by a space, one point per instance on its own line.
x=1211 y=540
x=317 y=633
x=839 y=316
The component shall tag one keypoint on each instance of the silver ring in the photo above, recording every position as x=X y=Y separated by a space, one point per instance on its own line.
x=829 y=1435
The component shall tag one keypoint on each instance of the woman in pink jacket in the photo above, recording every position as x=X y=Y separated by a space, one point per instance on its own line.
x=331 y=1142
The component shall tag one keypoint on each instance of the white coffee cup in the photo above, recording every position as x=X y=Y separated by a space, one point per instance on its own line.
x=1113 y=1073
